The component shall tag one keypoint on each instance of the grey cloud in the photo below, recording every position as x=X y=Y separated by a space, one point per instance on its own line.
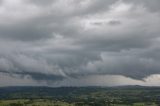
x=35 y=76
x=111 y=22
x=130 y=65
x=41 y=2
x=114 y=22
x=151 y=5
x=37 y=68
x=51 y=43
x=25 y=33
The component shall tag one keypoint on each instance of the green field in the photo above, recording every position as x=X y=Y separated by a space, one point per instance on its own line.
x=35 y=102
x=45 y=102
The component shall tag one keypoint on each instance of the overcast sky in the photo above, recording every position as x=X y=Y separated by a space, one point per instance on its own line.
x=79 y=42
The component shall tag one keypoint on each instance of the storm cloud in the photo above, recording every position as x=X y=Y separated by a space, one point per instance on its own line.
x=57 y=40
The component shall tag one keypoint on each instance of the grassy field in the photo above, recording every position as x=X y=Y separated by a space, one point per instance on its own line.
x=45 y=102
x=35 y=102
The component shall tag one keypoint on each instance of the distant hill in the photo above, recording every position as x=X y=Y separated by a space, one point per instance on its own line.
x=62 y=92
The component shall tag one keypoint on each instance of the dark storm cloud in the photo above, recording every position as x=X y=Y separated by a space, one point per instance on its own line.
x=35 y=76
x=59 y=39
x=25 y=32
